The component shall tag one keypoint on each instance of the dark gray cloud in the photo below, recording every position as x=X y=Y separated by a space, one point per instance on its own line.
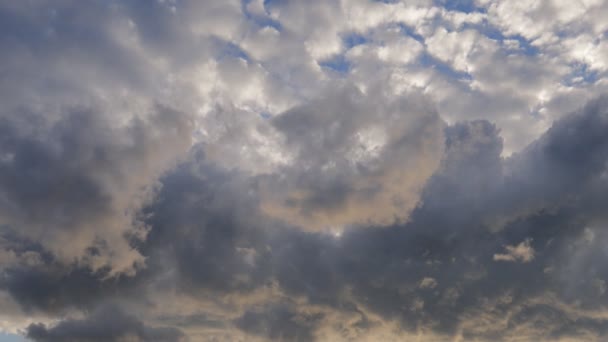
x=109 y=323
x=81 y=180
x=82 y=143
x=204 y=222
x=476 y=206
x=439 y=272
x=279 y=323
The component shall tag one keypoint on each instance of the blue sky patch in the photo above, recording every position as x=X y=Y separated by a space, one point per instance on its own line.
x=581 y=75
x=466 y=6
x=409 y=31
x=351 y=40
x=525 y=46
x=5 y=337
x=262 y=21
x=338 y=63
x=231 y=50
x=429 y=61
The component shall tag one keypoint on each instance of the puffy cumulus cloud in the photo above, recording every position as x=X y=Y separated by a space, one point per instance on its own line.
x=358 y=159
x=538 y=21
x=334 y=171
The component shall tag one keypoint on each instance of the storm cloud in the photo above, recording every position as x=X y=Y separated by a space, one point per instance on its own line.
x=280 y=171
x=106 y=324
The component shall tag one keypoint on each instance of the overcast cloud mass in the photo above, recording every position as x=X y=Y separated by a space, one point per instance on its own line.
x=289 y=170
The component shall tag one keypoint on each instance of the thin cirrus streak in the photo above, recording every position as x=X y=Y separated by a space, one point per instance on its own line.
x=350 y=170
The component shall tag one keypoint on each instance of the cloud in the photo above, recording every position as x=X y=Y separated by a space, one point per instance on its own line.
x=358 y=159
x=278 y=323
x=108 y=323
x=81 y=180
x=522 y=253
x=211 y=249
x=428 y=282
x=264 y=170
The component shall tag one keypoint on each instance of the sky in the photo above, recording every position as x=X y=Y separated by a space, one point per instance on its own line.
x=287 y=170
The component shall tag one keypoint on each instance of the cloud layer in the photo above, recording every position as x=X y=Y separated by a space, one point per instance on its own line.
x=290 y=171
